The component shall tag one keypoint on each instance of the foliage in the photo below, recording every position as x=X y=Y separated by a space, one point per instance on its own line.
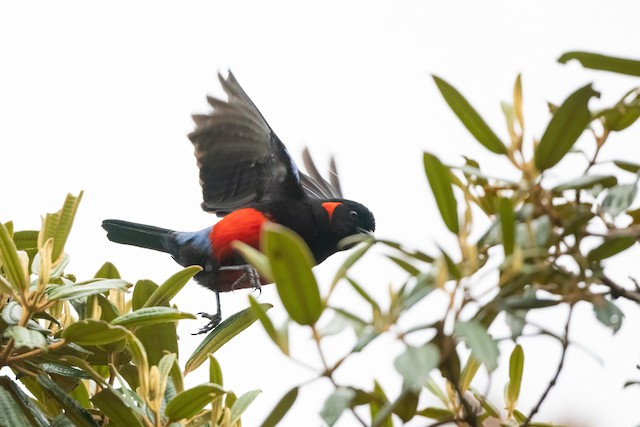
x=86 y=355
x=547 y=245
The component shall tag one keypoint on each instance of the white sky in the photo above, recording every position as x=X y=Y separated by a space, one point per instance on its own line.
x=98 y=96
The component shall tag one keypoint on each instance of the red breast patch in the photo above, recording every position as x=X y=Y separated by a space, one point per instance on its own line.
x=243 y=225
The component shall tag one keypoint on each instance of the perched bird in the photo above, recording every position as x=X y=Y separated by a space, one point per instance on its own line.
x=248 y=178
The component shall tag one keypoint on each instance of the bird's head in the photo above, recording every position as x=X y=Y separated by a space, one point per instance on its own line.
x=350 y=218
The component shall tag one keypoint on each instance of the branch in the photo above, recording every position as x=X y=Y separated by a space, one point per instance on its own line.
x=618 y=291
x=552 y=383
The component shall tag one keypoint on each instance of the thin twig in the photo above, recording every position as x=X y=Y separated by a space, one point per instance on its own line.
x=618 y=291
x=552 y=383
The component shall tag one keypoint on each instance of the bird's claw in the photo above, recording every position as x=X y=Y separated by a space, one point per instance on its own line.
x=214 y=320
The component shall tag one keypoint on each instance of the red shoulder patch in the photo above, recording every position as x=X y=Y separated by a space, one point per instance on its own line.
x=330 y=207
x=243 y=225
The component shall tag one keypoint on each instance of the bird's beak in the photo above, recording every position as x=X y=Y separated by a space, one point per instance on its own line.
x=351 y=241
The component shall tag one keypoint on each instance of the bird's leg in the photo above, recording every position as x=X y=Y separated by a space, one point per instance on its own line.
x=214 y=319
x=248 y=271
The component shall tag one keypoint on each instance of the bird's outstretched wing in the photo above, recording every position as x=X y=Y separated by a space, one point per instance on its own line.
x=242 y=161
x=240 y=158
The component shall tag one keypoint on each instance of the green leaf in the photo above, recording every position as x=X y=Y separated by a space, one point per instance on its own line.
x=516 y=366
x=120 y=411
x=470 y=118
x=406 y=266
x=478 y=340
x=73 y=410
x=437 y=414
x=619 y=199
x=281 y=408
x=597 y=61
x=151 y=316
x=439 y=178
x=172 y=286
x=18 y=409
x=215 y=371
x=84 y=289
x=225 y=331
x=267 y=324
x=415 y=363
x=94 y=332
x=190 y=402
x=255 y=258
x=241 y=404
x=587 y=182
x=406 y=405
x=627 y=166
x=336 y=403
x=528 y=301
x=353 y=257
x=607 y=313
x=107 y=271
x=610 y=247
x=26 y=338
x=13 y=269
x=507 y=225
x=142 y=291
x=468 y=372
x=566 y=125
x=58 y=226
x=291 y=262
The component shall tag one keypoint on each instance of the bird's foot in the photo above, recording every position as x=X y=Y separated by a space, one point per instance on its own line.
x=214 y=320
x=249 y=273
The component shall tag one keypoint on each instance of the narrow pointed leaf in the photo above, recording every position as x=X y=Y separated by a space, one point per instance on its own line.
x=507 y=225
x=597 y=61
x=610 y=247
x=224 y=332
x=10 y=261
x=470 y=117
x=172 y=286
x=73 y=410
x=267 y=324
x=607 y=313
x=566 y=125
x=191 y=401
x=291 y=262
x=516 y=366
x=619 y=199
x=242 y=403
x=335 y=404
x=16 y=408
x=281 y=408
x=440 y=181
x=151 y=316
x=468 y=372
x=84 y=289
x=586 y=182
x=108 y=271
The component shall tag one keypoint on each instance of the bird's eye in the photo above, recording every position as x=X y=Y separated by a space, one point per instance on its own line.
x=353 y=215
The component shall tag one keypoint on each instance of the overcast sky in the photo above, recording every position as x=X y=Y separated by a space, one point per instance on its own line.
x=97 y=96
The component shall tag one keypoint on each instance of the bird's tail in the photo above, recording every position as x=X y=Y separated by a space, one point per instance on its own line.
x=141 y=235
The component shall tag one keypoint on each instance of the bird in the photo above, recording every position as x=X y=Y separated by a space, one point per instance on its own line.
x=248 y=179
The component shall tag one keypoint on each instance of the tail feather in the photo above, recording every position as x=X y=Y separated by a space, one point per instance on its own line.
x=141 y=235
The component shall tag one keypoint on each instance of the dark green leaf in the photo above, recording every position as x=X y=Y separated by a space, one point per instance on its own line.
x=507 y=225
x=267 y=324
x=528 y=301
x=335 y=404
x=437 y=414
x=191 y=401
x=439 y=178
x=16 y=408
x=621 y=117
x=407 y=405
x=94 y=332
x=406 y=266
x=565 y=127
x=470 y=117
x=74 y=411
x=291 y=262
x=108 y=271
x=478 y=340
x=281 y=408
x=142 y=291
x=586 y=182
x=602 y=62
x=225 y=331
x=610 y=247
x=627 y=166
x=114 y=405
